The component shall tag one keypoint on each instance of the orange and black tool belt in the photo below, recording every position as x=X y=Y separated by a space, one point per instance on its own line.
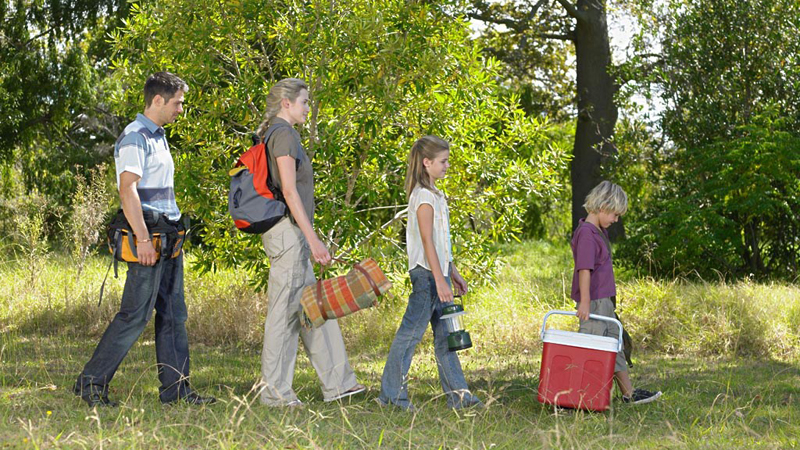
x=167 y=237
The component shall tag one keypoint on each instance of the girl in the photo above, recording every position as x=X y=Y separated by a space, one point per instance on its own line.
x=290 y=244
x=431 y=269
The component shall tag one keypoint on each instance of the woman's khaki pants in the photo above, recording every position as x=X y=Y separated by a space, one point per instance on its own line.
x=290 y=271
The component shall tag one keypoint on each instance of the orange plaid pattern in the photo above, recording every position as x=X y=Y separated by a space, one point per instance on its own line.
x=343 y=295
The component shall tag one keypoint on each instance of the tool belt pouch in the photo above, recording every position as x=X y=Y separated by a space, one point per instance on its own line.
x=167 y=237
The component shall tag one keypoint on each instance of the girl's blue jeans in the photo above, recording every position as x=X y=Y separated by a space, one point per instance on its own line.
x=423 y=307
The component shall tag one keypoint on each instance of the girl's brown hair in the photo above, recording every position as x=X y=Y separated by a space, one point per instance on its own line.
x=287 y=88
x=425 y=147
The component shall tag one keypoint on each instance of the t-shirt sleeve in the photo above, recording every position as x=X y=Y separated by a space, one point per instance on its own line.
x=284 y=143
x=131 y=154
x=425 y=196
x=585 y=247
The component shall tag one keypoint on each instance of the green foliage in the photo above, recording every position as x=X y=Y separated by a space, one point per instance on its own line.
x=532 y=43
x=547 y=216
x=725 y=63
x=55 y=126
x=92 y=197
x=721 y=196
x=730 y=207
x=52 y=88
x=634 y=167
x=381 y=75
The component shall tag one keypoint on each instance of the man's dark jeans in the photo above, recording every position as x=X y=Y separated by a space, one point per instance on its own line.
x=159 y=287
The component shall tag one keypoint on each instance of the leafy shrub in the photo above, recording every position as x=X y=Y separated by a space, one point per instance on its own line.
x=25 y=230
x=727 y=207
x=719 y=192
x=90 y=203
x=381 y=75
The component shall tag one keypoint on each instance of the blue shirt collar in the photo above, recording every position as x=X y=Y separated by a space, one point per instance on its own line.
x=149 y=124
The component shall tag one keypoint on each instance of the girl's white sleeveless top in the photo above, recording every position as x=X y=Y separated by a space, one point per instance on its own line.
x=441 y=230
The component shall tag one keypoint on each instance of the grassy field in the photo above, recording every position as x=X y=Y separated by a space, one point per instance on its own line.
x=725 y=355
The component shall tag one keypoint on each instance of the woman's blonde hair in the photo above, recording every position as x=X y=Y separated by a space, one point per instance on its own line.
x=287 y=88
x=426 y=147
x=607 y=197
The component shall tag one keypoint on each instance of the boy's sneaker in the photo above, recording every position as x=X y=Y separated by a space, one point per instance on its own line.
x=641 y=396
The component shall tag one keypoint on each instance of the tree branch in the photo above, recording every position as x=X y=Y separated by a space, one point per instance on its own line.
x=510 y=23
x=400 y=215
x=572 y=10
x=522 y=25
x=561 y=37
x=43 y=33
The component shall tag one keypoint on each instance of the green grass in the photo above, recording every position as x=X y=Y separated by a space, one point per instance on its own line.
x=725 y=356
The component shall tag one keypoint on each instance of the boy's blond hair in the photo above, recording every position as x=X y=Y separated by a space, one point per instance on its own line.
x=607 y=197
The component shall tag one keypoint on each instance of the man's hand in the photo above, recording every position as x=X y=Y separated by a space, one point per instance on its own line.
x=146 y=252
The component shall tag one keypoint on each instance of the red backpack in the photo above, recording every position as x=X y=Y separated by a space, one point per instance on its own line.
x=254 y=202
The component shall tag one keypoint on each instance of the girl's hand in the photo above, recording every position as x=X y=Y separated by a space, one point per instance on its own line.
x=443 y=291
x=459 y=283
x=583 y=310
x=319 y=252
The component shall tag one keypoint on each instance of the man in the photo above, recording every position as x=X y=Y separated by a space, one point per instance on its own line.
x=145 y=179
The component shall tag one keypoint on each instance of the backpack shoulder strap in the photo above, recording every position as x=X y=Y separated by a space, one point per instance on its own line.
x=270 y=183
x=268 y=133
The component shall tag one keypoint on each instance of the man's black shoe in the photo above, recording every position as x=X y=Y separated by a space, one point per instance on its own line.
x=99 y=400
x=193 y=399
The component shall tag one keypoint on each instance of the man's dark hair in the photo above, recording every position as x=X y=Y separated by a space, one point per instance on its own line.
x=164 y=84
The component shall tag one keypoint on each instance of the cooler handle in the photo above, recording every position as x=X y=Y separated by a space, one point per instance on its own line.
x=591 y=316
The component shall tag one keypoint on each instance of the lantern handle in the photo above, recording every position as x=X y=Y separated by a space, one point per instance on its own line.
x=591 y=316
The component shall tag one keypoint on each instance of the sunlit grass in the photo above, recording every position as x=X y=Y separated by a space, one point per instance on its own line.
x=725 y=355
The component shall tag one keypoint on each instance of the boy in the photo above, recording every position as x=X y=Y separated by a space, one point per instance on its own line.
x=593 y=280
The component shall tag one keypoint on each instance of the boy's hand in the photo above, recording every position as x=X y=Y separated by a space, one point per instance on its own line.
x=583 y=309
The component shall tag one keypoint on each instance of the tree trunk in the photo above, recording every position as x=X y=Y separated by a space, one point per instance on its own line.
x=597 y=113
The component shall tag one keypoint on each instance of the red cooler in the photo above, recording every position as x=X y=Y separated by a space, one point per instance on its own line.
x=577 y=369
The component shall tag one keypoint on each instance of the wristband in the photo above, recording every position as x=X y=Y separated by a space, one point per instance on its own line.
x=142 y=241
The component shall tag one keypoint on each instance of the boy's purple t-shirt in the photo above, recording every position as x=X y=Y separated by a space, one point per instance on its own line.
x=589 y=251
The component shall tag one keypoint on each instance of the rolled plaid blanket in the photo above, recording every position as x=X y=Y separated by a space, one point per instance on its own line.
x=340 y=296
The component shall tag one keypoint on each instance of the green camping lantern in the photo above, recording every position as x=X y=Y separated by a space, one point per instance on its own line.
x=458 y=338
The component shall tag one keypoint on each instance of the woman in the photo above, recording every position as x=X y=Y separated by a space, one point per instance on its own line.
x=289 y=245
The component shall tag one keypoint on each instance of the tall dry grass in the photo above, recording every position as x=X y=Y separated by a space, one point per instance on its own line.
x=670 y=317
x=741 y=398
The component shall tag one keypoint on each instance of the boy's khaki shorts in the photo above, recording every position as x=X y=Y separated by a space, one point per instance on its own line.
x=604 y=307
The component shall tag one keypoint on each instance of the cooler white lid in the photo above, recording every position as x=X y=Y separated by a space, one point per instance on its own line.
x=582 y=340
